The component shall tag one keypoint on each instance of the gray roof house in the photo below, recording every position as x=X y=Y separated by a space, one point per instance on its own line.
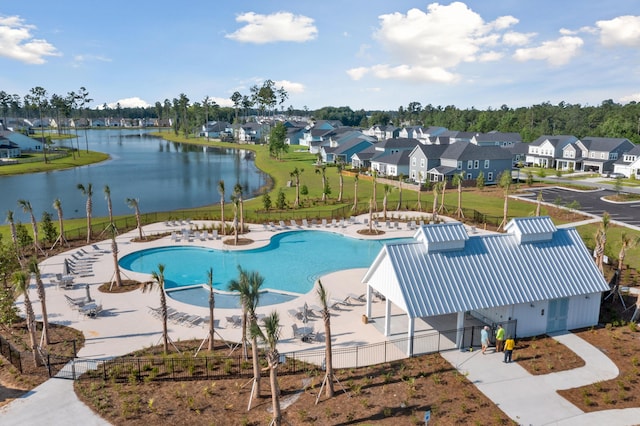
x=521 y=275
x=470 y=159
x=345 y=150
x=24 y=142
x=546 y=150
x=8 y=149
x=599 y=154
x=629 y=163
x=422 y=159
x=391 y=164
x=496 y=139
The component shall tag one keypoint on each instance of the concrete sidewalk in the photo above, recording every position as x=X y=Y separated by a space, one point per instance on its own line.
x=533 y=400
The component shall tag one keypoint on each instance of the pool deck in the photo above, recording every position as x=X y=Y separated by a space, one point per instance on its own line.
x=125 y=323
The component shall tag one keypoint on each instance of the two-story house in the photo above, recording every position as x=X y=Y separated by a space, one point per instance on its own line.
x=496 y=139
x=546 y=150
x=629 y=163
x=422 y=159
x=600 y=154
x=470 y=160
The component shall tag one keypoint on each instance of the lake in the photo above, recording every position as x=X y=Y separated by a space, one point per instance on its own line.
x=163 y=175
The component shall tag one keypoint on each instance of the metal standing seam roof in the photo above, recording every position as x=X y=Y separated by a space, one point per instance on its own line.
x=491 y=271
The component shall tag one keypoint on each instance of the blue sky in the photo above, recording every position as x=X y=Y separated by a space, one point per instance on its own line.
x=370 y=54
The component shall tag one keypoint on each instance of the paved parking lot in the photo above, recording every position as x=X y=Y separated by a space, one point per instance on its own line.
x=590 y=202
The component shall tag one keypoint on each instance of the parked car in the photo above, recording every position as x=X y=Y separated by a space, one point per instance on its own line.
x=616 y=175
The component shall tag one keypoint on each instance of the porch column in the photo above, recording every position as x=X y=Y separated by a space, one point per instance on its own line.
x=368 y=308
x=410 y=327
x=459 y=329
x=387 y=317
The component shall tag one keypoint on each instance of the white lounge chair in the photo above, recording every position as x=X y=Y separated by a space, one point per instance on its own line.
x=294 y=223
x=334 y=223
x=283 y=225
x=305 y=223
x=324 y=223
x=214 y=234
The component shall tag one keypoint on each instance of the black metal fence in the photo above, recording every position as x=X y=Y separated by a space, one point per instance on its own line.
x=11 y=354
x=186 y=367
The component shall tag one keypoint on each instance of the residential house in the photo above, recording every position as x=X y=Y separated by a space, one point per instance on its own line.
x=342 y=152
x=25 y=143
x=216 y=129
x=546 y=150
x=8 y=149
x=250 y=132
x=383 y=132
x=496 y=139
x=629 y=163
x=422 y=159
x=522 y=277
x=391 y=164
x=470 y=159
x=519 y=152
x=600 y=154
x=362 y=159
x=319 y=134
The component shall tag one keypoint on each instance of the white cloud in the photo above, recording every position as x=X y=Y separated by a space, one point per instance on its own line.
x=79 y=60
x=290 y=86
x=223 y=102
x=443 y=35
x=513 y=38
x=623 y=30
x=134 y=102
x=357 y=73
x=555 y=52
x=634 y=97
x=280 y=26
x=17 y=42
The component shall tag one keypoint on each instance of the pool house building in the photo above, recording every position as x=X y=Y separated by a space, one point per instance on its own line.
x=542 y=277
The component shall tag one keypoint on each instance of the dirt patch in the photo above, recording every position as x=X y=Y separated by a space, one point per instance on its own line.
x=241 y=241
x=127 y=286
x=373 y=231
x=544 y=355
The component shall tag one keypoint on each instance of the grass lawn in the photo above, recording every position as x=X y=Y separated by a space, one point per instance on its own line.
x=61 y=163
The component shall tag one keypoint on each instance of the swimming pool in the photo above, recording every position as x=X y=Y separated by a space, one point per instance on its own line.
x=290 y=263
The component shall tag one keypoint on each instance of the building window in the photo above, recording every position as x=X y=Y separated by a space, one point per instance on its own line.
x=486 y=164
x=592 y=155
x=476 y=164
x=470 y=164
x=602 y=155
x=469 y=176
x=490 y=177
x=413 y=161
x=422 y=162
x=459 y=165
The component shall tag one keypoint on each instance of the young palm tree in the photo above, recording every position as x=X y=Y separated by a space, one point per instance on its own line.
x=539 y=203
x=627 y=242
x=505 y=183
x=322 y=170
x=295 y=174
x=443 y=189
x=323 y=297
x=340 y=168
x=370 y=215
x=436 y=191
x=21 y=282
x=114 y=251
x=134 y=204
x=158 y=280
x=255 y=283
x=107 y=196
x=26 y=207
x=400 y=180
x=601 y=240
x=212 y=305
x=13 y=230
x=241 y=285
x=237 y=190
x=221 y=192
x=458 y=180
x=355 y=192
x=35 y=270
x=57 y=204
x=374 y=175
x=235 y=202
x=387 y=190
x=270 y=337
x=419 y=192
x=87 y=191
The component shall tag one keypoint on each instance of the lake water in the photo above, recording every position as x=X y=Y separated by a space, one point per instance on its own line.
x=162 y=175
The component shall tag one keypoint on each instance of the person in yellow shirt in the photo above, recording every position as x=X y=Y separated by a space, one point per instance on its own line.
x=500 y=338
x=509 y=344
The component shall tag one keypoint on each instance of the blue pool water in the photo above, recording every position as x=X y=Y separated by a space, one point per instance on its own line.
x=290 y=264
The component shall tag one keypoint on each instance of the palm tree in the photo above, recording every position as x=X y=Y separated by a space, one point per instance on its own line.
x=241 y=285
x=419 y=191
x=340 y=168
x=458 y=180
x=212 y=305
x=235 y=202
x=443 y=188
x=539 y=203
x=114 y=251
x=322 y=170
x=370 y=215
x=295 y=174
x=26 y=207
x=107 y=196
x=57 y=204
x=374 y=175
x=355 y=192
x=237 y=190
x=87 y=192
x=627 y=242
x=134 y=204
x=158 y=280
x=270 y=337
x=35 y=270
x=400 y=180
x=601 y=240
x=21 y=283
x=505 y=183
x=387 y=190
x=323 y=296
x=436 y=190
x=14 y=231
x=221 y=192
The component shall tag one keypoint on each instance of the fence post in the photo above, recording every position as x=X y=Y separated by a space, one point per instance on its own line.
x=74 y=347
x=139 y=371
